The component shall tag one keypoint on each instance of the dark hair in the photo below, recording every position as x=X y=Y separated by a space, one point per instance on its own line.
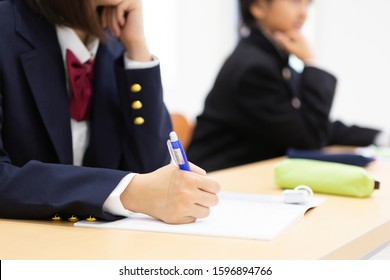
x=246 y=16
x=78 y=14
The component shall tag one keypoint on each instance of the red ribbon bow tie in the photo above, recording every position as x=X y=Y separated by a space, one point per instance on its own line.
x=80 y=79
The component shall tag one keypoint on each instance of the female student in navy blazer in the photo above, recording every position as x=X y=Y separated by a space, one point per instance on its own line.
x=259 y=106
x=127 y=128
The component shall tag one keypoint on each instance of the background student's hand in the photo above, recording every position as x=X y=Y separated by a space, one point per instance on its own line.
x=294 y=43
x=172 y=195
x=125 y=21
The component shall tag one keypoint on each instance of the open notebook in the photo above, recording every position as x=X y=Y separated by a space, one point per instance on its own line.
x=237 y=215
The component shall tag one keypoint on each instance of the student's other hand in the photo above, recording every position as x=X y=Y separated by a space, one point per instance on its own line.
x=172 y=195
x=125 y=21
x=294 y=43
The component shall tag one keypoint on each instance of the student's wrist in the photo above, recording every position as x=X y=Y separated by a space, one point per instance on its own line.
x=113 y=204
x=308 y=59
x=132 y=196
x=310 y=62
x=138 y=51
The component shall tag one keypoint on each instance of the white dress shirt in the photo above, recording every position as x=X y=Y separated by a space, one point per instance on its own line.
x=68 y=39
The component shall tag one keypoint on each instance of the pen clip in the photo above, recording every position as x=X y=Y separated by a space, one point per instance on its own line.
x=171 y=153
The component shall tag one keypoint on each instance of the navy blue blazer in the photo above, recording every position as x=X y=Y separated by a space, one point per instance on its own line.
x=259 y=107
x=37 y=178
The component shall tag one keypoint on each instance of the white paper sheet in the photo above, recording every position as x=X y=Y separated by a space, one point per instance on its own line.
x=237 y=215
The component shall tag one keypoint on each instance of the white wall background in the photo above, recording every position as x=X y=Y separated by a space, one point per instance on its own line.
x=191 y=38
x=350 y=37
x=353 y=41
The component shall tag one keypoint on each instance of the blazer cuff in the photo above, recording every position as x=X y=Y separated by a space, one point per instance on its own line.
x=113 y=204
x=132 y=64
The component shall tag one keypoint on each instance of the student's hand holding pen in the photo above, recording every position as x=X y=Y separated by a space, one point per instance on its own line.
x=295 y=43
x=125 y=21
x=172 y=195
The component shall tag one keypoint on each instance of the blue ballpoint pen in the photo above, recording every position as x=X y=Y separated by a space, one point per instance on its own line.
x=177 y=152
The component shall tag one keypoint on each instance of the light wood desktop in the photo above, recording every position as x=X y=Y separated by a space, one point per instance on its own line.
x=340 y=228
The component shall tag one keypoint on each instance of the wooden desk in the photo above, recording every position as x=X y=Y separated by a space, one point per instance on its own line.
x=341 y=228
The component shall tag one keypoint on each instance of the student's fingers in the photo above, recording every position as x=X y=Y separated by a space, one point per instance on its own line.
x=192 y=212
x=191 y=200
x=202 y=183
x=209 y=185
x=112 y=21
x=196 y=169
x=282 y=40
x=295 y=43
x=207 y=199
x=294 y=35
x=199 y=211
x=179 y=220
x=123 y=9
x=196 y=211
x=199 y=182
x=289 y=42
x=171 y=195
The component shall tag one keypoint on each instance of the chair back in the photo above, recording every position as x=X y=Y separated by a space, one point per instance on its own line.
x=183 y=128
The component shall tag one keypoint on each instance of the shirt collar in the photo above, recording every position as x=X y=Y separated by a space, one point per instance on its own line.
x=68 y=39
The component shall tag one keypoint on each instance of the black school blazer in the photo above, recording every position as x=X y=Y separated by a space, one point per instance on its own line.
x=259 y=107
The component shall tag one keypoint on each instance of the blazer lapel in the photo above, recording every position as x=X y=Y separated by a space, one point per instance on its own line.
x=104 y=149
x=46 y=79
x=264 y=43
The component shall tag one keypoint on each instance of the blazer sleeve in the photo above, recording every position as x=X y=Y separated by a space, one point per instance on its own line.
x=351 y=135
x=39 y=190
x=147 y=120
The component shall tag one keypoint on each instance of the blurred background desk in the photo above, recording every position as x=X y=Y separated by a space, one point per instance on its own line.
x=340 y=228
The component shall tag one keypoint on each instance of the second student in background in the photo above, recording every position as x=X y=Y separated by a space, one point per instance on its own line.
x=259 y=106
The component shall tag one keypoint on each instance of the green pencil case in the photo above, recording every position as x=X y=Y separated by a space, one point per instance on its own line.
x=325 y=177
